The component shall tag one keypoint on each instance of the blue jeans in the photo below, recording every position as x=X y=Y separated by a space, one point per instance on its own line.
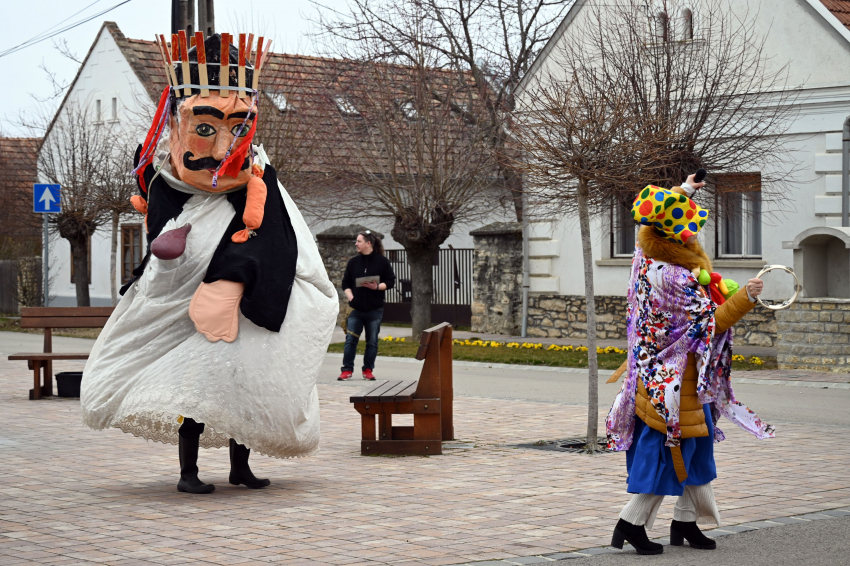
x=357 y=320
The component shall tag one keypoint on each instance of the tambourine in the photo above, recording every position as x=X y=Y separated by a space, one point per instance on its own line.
x=787 y=302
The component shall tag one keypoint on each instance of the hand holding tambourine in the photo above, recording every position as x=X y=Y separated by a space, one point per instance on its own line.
x=784 y=304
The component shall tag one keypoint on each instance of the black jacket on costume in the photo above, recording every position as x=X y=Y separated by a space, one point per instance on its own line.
x=362 y=266
x=265 y=263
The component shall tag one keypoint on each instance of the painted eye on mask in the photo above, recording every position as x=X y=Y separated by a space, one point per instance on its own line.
x=235 y=130
x=205 y=130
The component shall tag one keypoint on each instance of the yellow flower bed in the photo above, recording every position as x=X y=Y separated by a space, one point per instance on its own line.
x=524 y=345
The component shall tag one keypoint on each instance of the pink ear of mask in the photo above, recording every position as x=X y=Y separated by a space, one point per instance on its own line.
x=171 y=244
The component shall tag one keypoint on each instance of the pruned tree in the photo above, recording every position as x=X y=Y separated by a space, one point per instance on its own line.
x=295 y=131
x=405 y=149
x=580 y=141
x=490 y=44
x=115 y=187
x=623 y=102
x=78 y=152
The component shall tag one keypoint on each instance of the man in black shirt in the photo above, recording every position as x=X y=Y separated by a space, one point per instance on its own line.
x=367 y=300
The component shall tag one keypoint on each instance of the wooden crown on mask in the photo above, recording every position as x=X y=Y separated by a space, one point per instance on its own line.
x=202 y=63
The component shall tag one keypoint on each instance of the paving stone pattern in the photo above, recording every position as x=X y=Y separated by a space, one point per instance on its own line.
x=71 y=495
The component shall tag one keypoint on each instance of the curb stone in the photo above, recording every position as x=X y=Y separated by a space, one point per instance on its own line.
x=718 y=532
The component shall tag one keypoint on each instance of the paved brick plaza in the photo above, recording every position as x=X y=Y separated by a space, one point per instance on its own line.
x=70 y=495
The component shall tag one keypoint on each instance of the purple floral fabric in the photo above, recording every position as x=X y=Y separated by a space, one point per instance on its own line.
x=669 y=316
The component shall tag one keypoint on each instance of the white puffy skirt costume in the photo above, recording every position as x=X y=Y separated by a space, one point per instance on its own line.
x=150 y=367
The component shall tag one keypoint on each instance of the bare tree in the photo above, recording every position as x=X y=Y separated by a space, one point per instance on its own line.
x=78 y=153
x=115 y=186
x=490 y=44
x=405 y=150
x=624 y=104
x=580 y=140
x=294 y=128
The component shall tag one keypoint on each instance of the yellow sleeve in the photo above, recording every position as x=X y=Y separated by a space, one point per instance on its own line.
x=732 y=310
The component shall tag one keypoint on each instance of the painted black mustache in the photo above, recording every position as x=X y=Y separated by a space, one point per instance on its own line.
x=205 y=163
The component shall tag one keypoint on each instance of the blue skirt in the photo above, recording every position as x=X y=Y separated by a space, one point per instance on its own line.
x=650 y=463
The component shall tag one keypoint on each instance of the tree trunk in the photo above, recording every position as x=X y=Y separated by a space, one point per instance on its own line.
x=80 y=257
x=592 y=363
x=113 y=259
x=513 y=182
x=422 y=286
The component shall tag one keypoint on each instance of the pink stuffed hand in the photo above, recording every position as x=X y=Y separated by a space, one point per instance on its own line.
x=215 y=309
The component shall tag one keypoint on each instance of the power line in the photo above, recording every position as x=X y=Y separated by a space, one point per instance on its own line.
x=41 y=37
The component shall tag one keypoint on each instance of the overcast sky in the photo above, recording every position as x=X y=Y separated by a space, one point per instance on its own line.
x=286 y=21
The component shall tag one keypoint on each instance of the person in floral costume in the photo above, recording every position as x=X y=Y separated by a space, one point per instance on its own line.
x=677 y=381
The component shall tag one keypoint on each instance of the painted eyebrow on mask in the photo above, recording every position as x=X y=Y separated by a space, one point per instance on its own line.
x=242 y=115
x=208 y=111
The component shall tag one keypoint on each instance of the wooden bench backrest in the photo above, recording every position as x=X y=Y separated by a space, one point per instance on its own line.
x=435 y=347
x=435 y=380
x=65 y=317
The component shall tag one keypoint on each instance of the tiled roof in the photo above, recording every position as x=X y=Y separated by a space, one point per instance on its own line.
x=840 y=9
x=18 y=172
x=308 y=85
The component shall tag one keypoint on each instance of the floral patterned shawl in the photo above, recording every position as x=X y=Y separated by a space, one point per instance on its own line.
x=669 y=316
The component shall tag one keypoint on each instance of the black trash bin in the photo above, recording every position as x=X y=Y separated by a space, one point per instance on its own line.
x=68 y=383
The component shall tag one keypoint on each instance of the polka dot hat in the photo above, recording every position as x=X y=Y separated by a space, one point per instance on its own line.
x=675 y=215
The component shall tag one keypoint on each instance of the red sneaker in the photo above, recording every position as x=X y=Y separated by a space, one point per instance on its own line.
x=344 y=376
x=367 y=374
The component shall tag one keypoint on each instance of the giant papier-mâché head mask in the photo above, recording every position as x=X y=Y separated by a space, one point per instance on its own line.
x=210 y=106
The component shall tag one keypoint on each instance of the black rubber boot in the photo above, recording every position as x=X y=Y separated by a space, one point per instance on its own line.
x=679 y=531
x=189 y=482
x=636 y=535
x=240 y=473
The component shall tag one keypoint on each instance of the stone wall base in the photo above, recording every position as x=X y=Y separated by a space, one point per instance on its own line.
x=563 y=316
x=814 y=334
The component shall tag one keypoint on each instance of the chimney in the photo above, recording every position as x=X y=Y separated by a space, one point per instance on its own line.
x=183 y=16
x=206 y=17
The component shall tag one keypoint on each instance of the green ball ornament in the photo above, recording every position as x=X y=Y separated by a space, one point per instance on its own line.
x=731 y=286
x=704 y=277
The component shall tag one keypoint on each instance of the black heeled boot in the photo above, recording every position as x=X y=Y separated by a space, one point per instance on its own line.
x=679 y=531
x=189 y=482
x=636 y=535
x=240 y=473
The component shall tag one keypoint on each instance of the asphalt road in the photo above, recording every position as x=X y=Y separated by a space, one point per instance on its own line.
x=823 y=543
x=774 y=403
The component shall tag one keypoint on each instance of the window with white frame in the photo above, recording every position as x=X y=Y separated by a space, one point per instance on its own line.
x=623 y=231
x=114 y=116
x=98 y=111
x=739 y=230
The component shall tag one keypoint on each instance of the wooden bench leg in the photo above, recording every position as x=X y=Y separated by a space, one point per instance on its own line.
x=385 y=426
x=35 y=392
x=47 y=388
x=367 y=426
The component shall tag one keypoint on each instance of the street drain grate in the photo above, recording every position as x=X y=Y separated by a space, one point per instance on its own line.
x=574 y=445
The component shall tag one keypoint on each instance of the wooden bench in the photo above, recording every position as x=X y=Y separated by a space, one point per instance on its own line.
x=49 y=318
x=429 y=400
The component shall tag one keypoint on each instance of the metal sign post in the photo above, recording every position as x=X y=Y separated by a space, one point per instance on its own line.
x=45 y=200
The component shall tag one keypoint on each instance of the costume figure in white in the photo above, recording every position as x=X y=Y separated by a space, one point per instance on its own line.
x=218 y=339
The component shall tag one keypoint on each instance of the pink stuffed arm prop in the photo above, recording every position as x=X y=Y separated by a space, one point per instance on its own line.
x=215 y=309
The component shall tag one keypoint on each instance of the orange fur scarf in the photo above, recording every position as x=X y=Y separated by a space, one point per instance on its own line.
x=658 y=247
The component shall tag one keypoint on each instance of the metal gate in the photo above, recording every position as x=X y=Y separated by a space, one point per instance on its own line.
x=452 y=298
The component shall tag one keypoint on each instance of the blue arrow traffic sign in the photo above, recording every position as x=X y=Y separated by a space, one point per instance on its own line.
x=45 y=198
